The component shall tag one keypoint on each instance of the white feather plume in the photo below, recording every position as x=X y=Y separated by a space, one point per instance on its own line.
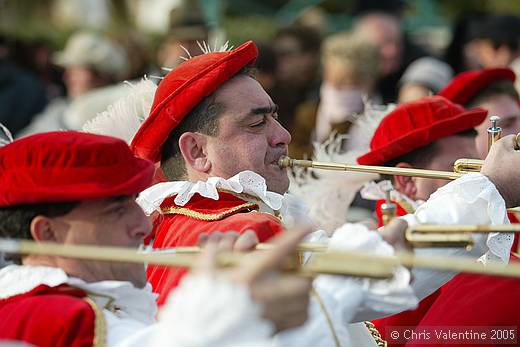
x=365 y=125
x=329 y=194
x=123 y=118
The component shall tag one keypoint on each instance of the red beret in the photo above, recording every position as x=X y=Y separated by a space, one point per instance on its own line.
x=416 y=124
x=182 y=89
x=69 y=166
x=466 y=85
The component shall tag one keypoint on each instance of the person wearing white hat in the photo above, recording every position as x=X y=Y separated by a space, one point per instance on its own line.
x=93 y=63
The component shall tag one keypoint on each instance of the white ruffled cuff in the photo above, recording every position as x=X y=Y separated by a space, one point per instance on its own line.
x=471 y=199
x=204 y=311
x=360 y=298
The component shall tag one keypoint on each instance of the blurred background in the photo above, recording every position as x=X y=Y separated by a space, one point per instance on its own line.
x=64 y=61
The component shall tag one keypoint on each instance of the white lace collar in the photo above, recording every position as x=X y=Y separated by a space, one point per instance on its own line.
x=247 y=182
x=117 y=296
x=377 y=191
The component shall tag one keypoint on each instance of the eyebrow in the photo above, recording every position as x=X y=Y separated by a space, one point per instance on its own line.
x=264 y=110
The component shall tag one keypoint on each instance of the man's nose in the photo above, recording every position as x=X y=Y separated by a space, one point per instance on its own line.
x=279 y=135
x=141 y=226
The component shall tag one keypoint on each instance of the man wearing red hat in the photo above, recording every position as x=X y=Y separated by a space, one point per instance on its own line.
x=493 y=90
x=76 y=188
x=429 y=134
x=490 y=89
x=209 y=125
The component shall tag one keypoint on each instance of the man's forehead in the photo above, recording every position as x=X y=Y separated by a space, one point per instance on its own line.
x=243 y=92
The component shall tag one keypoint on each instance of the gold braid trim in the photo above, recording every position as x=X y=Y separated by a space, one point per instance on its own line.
x=209 y=216
x=323 y=309
x=406 y=205
x=376 y=334
x=100 y=326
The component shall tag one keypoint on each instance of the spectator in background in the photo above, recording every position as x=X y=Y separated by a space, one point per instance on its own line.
x=499 y=41
x=492 y=90
x=187 y=26
x=297 y=51
x=36 y=56
x=91 y=61
x=22 y=94
x=265 y=67
x=462 y=52
x=384 y=30
x=424 y=77
x=138 y=51
x=349 y=75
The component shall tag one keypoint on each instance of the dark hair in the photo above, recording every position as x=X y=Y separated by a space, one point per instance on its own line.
x=266 y=61
x=502 y=30
x=421 y=156
x=502 y=87
x=308 y=38
x=15 y=221
x=466 y=29
x=203 y=119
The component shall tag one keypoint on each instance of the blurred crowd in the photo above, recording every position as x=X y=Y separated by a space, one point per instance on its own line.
x=321 y=81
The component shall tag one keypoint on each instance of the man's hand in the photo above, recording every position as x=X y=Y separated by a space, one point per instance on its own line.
x=284 y=297
x=395 y=234
x=502 y=167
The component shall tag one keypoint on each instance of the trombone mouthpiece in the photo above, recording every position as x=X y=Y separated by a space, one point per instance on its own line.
x=285 y=162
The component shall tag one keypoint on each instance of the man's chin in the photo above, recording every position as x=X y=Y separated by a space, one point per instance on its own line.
x=135 y=274
x=279 y=185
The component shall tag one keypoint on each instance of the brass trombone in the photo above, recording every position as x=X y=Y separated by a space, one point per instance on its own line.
x=286 y=162
x=419 y=236
x=475 y=165
x=347 y=263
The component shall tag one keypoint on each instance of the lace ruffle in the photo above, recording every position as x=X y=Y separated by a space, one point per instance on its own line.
x=247 y=182
x=476 y=193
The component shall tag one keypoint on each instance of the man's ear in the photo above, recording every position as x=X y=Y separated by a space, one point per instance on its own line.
x=42 y=229
x=193 y=149
x=404 y=184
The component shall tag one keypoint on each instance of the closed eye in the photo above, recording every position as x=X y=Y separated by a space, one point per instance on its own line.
x=259 y=123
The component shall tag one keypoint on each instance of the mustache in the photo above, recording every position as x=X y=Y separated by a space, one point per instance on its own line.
x=274 y=156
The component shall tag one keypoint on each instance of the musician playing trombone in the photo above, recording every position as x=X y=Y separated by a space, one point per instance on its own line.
x=213 y=130
x=432 y=134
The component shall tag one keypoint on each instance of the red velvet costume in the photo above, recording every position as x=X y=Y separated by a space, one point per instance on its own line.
x=177 y=95
x=182 y=225
x=53 y=317
x=475 y=300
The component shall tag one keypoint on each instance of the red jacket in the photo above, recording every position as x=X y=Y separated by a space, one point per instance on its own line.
x=182 y=225
x=475 y=300
x=53 y=317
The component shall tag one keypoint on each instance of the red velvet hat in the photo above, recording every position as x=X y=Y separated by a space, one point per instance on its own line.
x=69 y=166
x=182 y=89
x=466 y=85
x=416 y=124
